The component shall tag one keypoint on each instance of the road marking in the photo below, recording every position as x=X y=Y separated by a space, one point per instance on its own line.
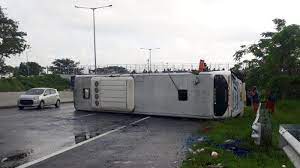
x=79 y=144
x=139 y=120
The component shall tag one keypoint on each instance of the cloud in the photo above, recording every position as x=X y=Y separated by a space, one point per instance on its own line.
x=184 y=30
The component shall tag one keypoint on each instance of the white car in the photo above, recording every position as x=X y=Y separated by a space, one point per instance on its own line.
x=39 y=97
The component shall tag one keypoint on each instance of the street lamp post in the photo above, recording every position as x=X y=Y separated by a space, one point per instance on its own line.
x=27 y=65
x=150 y=55
x=94 y=27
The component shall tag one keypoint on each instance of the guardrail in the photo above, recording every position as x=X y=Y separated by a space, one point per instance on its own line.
x=256 y=128
x=289 y=142
x=262 y=127
x=137 y=68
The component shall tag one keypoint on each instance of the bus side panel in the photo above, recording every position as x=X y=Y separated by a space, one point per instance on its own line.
x=82 y=93
x=158 y=95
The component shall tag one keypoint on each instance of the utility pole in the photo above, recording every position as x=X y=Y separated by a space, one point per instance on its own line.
x=150 y=55
x=27 y=65
x=94 y=27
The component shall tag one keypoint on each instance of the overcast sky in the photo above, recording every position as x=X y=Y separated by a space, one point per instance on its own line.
x=184 y=30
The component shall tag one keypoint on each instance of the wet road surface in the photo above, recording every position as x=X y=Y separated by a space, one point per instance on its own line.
x=31 y=134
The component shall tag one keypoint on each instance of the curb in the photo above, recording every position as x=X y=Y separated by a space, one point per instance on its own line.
x=15 y=106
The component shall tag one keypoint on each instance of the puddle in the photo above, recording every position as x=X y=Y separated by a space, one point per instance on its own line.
x=15 y=159
x=16 y=156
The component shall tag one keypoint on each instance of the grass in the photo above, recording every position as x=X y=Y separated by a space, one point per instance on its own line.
x=287 y=112
x=25 y=83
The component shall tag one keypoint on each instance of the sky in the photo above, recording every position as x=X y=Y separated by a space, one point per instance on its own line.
x=185 y=31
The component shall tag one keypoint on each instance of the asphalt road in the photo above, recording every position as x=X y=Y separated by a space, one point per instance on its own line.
x=28 y=135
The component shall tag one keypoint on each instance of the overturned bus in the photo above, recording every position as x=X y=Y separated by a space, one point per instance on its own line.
x=208 y=95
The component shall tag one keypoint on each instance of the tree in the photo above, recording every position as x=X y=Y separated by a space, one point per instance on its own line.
x=65 y=66
x=5 y=69
x=12 y=40
x=33 y=67
x=276 y=65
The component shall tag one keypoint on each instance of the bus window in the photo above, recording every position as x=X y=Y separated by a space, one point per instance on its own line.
x=220 y=95
x=182 y=95
x=86 y=93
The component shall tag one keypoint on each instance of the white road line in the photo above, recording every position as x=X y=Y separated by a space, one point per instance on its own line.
x=77 y=145
x=139 y=120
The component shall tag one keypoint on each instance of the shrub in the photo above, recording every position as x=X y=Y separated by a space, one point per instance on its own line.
x=25 y=83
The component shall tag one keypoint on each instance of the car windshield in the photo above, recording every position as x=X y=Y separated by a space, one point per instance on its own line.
x=35 y=92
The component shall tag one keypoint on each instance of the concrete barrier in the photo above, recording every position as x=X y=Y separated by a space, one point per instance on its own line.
x=289 y=141
x=9 y=99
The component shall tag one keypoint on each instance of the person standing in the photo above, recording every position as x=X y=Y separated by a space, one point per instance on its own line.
x=270 y=105
x=248 y=98
x=255 y=99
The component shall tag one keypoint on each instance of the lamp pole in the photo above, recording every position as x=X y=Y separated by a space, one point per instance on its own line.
x=27 y=65
x=150 y=55
x=94 y=27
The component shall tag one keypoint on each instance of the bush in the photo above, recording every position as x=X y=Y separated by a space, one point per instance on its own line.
x=25 y=83
x=286 y=86
x=12 y=85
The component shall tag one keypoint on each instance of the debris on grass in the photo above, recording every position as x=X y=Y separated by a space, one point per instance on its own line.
x=226 y=132
x=229 y=141
x=192 y=140
x=219 y=165
x=214 y=166
x=234 y=146
x=200 y=150
x=214 y=154
x=206 y=129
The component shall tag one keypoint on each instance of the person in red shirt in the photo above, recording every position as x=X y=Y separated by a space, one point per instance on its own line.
x=270 y=105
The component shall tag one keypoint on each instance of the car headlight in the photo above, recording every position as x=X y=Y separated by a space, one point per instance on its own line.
x=35 y=98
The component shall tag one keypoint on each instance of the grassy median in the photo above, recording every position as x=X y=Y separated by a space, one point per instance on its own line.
x=287 y=112
x=16 y=84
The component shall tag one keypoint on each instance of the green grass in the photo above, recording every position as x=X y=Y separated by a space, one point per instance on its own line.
x=25 y=83
x=287 y=112
x=10 y=85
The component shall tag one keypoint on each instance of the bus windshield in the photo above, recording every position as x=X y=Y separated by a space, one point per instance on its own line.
x=220 y=95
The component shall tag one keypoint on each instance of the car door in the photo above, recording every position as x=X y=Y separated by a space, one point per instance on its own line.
x=47 y=97
x=53 y=96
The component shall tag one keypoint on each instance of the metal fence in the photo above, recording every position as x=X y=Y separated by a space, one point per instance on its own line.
x=137 y=68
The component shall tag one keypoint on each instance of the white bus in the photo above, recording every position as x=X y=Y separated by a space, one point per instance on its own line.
x=208 y=95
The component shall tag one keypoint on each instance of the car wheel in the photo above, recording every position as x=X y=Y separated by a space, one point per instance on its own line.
x=42 y=105
x=21 y=108
x=57 y=105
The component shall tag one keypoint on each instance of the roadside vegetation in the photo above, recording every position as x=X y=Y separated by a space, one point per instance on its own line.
x=275 y=67
x=287 y=112
x=19 y=83
x=276 y=61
